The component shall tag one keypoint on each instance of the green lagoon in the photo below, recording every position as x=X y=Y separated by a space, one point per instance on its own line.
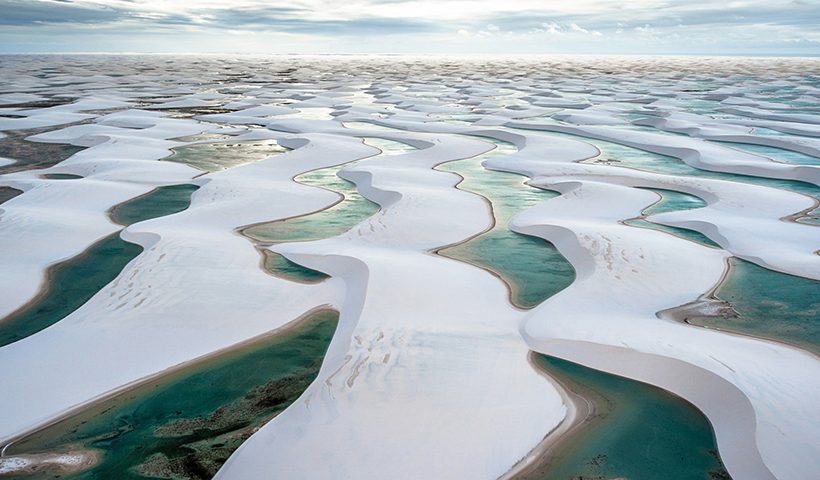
x=638 y=432
x=74 y=281
x=335 y=220
x=218 y=156
x=282 y=267
x=61 y=176
x=622 y=156
x=186 y=424
x=7 y=193
x=772 y=305
x=531 y=266
x=672 y=201
x=157 y=203
x=69 y=285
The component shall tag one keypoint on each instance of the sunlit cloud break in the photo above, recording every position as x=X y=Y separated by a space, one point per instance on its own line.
x=422 y=26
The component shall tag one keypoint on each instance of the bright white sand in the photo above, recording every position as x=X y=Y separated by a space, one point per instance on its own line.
x=427 y=375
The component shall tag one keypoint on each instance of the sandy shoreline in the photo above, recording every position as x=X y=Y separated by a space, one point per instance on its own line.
x=580 y=412
x=422 y=344
x=263 y=244
x=72 y=461
x=78 y=409
x=46 y=285
x=511 y=290
x=709 y=304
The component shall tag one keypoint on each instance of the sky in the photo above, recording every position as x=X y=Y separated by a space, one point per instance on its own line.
x=755 y=27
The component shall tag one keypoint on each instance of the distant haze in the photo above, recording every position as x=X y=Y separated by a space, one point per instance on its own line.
x=753 y=27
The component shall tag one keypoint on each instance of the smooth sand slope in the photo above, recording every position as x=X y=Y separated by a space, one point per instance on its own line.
x=428 y=374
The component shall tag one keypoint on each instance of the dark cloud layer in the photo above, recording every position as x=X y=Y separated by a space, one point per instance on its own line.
x=283 y=19
x=22 y=13
x=693 y=21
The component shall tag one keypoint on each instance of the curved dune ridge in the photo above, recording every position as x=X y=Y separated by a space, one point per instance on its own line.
x=660 y=175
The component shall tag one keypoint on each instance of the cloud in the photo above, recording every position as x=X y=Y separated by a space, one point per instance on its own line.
x=598 y=25
x=568 y=27
x=20 y=12
x=552 y=28
x=575 y=28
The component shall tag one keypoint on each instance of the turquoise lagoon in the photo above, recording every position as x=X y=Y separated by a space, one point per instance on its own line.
x=186 y=424
x=69 y=284
x=532 y=267
x=157 y=203
x=637 y=432
x=218 y=156
x=773 y=305
x=617 y=155
x=332 y=221
x=672 y=201
x=72 y=282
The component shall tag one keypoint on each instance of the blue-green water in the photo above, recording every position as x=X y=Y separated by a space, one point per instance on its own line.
x=777 y=154
x=672 y=201
x=335 y=220
x=7 y=193
x=185 y=425
x=690 y=235
x=72 y=282
x=771 y=305
x=769 y=132
x=531 y=266
x=622 y=156
x=61 y=176
x=389 y=147
x=69 y=285
x=218 y=156
x=370 y=126
x=638 y=432
x=814 y=220
x=157 y=203
x=282 y=267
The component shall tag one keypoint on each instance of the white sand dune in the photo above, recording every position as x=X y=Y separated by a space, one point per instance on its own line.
x=447 y=318
x=427 y=375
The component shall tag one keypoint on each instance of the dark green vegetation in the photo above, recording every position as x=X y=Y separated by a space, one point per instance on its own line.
x=157 y=203
x=770 y=304
x=637 y=432
x=186 y=424
x=532 y=267
x=69 y=285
